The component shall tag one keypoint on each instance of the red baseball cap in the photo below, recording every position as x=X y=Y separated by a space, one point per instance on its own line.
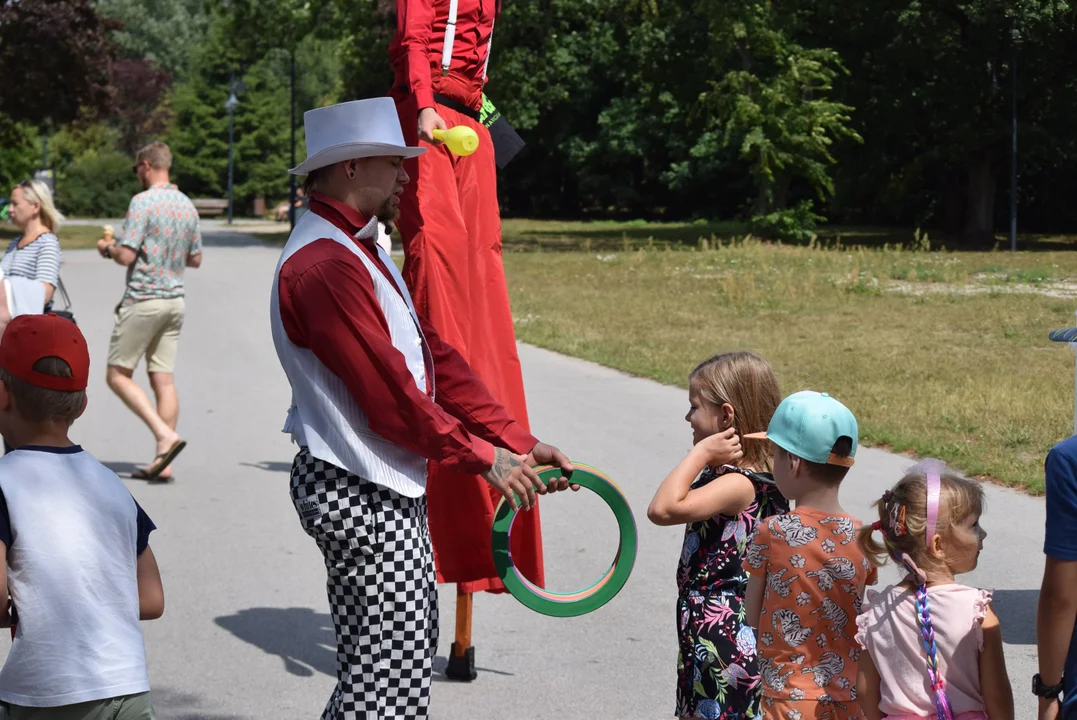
x=29 y=338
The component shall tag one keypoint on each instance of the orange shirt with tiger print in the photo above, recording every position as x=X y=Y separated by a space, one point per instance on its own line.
x=814 y=577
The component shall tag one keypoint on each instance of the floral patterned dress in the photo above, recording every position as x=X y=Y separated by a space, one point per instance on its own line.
x=717 y=672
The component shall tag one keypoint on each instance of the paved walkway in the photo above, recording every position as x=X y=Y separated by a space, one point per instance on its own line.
x=246 y=633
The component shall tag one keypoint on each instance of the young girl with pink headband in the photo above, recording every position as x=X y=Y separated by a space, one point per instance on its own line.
x=934 y=647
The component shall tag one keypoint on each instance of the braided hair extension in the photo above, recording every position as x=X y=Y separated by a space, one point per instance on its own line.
x=927 y=638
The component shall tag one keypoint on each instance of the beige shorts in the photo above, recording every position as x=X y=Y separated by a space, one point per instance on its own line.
x=150 y=328
x=129 y=707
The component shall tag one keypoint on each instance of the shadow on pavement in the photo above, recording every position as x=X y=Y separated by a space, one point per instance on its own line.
x=230 y=239
x=270 y=466
x=303 y=639
x=123 y=469
x=440 y=663
x=1016 y=610
x=177 y=705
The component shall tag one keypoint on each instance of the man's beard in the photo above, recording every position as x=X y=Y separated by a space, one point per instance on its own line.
x=388 y=212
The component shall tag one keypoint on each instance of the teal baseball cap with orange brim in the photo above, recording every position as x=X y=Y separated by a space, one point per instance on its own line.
x=808 y=424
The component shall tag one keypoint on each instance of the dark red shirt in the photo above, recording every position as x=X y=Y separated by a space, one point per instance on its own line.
x=328 y=305
x=415 y=51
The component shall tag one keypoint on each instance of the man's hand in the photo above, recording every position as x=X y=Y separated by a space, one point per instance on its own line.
x=1050 y=709
x=543 y=454
x=722 y=448
x=429 y=120
x=510 y=474
x=103 y=245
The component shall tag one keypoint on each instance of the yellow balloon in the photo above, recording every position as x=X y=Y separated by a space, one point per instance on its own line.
x=461 y=140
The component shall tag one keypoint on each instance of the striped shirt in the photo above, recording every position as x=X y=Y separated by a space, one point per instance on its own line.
x=40 y=260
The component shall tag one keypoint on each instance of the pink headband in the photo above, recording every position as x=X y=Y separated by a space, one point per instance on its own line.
x=932 y=471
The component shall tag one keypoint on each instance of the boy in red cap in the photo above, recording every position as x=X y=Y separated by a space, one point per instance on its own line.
x=76 y=561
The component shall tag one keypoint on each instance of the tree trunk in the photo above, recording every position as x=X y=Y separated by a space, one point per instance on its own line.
x=762 y=200
x=781 y=190
x=980 y=206
x=952 y=203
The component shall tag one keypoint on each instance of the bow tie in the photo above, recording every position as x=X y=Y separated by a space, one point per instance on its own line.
x=370 y=230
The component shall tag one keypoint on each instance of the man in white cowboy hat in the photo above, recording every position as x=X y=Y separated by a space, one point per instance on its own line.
x=375 y=395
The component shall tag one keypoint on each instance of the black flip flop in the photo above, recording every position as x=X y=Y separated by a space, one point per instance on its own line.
x=140 y=474
x=162 y=461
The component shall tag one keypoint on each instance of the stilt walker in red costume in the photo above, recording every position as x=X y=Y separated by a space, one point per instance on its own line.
x=451 y=228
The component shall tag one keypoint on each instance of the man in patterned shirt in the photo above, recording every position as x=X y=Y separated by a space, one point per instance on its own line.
x=160 y=239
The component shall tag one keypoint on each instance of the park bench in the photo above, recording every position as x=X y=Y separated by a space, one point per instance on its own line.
x=210 y=206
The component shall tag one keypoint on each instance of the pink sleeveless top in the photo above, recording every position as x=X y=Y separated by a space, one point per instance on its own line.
x=888 y=630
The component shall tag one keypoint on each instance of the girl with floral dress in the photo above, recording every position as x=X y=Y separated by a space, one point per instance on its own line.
x=719 y=492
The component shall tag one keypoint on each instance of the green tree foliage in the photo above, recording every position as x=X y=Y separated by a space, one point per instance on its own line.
x=54 y=61
x=98 y=185
x=262 y=131
x=93 y=178
x=774 y=105
x=161 y=32
x=880 y=111
x=20 y=153
x=199 y=135
x=931 y=82
x=618 y=102
x=141 y=111
x=366 y=27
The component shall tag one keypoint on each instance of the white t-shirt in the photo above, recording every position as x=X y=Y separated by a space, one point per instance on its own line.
x=73 y=535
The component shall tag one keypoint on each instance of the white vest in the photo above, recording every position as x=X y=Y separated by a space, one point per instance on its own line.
x=324 y=417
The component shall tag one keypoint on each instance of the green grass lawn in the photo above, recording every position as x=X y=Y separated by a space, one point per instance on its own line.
x=72 y=237
x=522 y=235
x=939 y=354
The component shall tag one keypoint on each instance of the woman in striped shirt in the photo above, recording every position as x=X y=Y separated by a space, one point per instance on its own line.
x=36 y=253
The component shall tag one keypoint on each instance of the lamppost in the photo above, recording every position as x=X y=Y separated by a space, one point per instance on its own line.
x=230 y=105
x=1013 y=152
x=291 y=113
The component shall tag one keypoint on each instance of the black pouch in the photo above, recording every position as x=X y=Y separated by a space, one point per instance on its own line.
x=507 y=142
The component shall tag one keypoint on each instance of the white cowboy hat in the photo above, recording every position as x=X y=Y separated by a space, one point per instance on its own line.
x=357 y=129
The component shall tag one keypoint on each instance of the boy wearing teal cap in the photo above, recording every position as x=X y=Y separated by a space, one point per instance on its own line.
x=805 y=571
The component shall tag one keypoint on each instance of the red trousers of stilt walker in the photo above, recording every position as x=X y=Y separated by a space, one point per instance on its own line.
x=451 y=228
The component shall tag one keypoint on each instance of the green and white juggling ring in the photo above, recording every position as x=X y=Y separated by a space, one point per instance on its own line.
x=568 y=604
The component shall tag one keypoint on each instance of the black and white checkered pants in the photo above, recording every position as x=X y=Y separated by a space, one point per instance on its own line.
x=382 y=589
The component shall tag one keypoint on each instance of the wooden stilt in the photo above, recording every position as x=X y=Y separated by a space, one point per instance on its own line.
x=463 y=620
x=462 y=659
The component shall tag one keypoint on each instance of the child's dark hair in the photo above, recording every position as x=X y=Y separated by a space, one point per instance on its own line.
x=827 y=472
x=747 y=382
x=39 y=405
x=903 y=524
